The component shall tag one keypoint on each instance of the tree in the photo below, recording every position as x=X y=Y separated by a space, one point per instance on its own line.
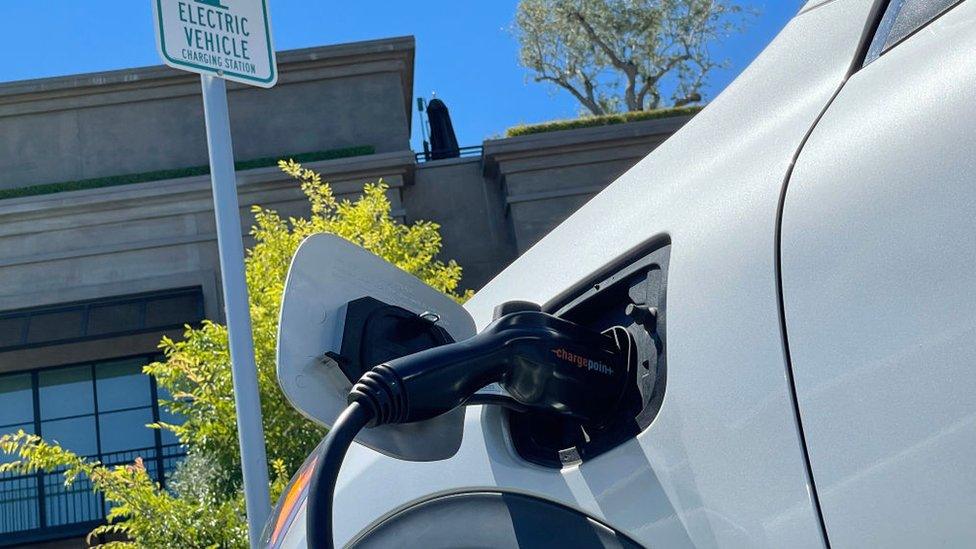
x=592 y=48
x=204 y=506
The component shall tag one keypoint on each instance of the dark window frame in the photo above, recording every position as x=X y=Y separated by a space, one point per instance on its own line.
x=160 y=459
x=879 y=43
x=142 y=300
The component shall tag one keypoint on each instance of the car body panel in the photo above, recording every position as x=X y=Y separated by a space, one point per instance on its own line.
x=723 y=463
x=879 y=256
x=813 y=4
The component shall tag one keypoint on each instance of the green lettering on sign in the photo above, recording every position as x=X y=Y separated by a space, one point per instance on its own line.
x=218 y=37
x=214 y=3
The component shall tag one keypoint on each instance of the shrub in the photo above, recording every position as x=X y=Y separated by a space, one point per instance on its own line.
x=604 y=120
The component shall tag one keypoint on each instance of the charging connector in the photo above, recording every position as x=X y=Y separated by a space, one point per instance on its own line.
x=544 y=362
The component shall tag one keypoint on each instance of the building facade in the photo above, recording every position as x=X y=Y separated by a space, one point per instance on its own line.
x=107 y=237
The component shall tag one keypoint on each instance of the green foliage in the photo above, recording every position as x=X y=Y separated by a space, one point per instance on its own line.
x=196 y=369
x=614 y=55
x=203 y=506
x=141 y=511
x=128 y=179
x=605 y=120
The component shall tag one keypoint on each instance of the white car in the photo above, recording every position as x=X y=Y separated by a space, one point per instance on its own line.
x=809 y=243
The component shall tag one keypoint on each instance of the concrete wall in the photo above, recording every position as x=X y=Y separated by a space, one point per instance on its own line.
x=471 y=212
x=134 y=121
x=546 y=177
x=145 y=237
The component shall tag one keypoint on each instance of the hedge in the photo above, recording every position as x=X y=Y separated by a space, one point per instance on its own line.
x=159 y=175
x=604 y=120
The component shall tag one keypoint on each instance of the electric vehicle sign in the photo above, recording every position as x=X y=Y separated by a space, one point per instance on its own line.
x=230 y=39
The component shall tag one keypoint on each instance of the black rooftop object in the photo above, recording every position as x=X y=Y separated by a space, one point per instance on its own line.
x=443 y=141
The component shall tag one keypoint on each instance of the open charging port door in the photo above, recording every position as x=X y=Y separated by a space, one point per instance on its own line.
x=345 y=310
x=629 y=300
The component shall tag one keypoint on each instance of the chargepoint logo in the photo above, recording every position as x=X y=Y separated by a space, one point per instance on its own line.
x=583 y=362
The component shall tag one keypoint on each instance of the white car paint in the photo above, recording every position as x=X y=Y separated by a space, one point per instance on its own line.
x=722 y=466
x=879 y=285
x=724 y=463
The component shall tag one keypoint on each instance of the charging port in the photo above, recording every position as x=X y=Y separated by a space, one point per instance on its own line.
x=628 y=302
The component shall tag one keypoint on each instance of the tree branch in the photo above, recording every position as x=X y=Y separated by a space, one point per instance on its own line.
x=600 y=43
x=651 y=81
x=630 y=46
x=628 y=68
x=587 y=100
x=692 y=97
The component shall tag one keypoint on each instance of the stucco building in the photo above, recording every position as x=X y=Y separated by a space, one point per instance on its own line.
x=107 y=238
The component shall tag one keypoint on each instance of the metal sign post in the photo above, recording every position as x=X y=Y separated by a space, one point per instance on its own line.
x=247 y=399
x=228 y=40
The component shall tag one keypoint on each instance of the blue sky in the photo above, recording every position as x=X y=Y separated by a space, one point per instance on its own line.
x=465 y=52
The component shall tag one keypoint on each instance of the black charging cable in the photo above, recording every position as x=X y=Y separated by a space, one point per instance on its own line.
x=542 y=361
x=352 y=420
x=323 y=482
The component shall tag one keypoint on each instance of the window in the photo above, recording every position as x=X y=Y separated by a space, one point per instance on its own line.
x=98 y=410
x=82 y=321
x=901 y=19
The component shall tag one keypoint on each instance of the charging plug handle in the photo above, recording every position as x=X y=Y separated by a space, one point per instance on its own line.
x=543 y=361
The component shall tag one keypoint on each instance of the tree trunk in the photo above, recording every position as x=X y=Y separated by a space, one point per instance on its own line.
x=630 y=94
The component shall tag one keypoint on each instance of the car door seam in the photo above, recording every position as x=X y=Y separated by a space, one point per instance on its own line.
x=870 y=27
